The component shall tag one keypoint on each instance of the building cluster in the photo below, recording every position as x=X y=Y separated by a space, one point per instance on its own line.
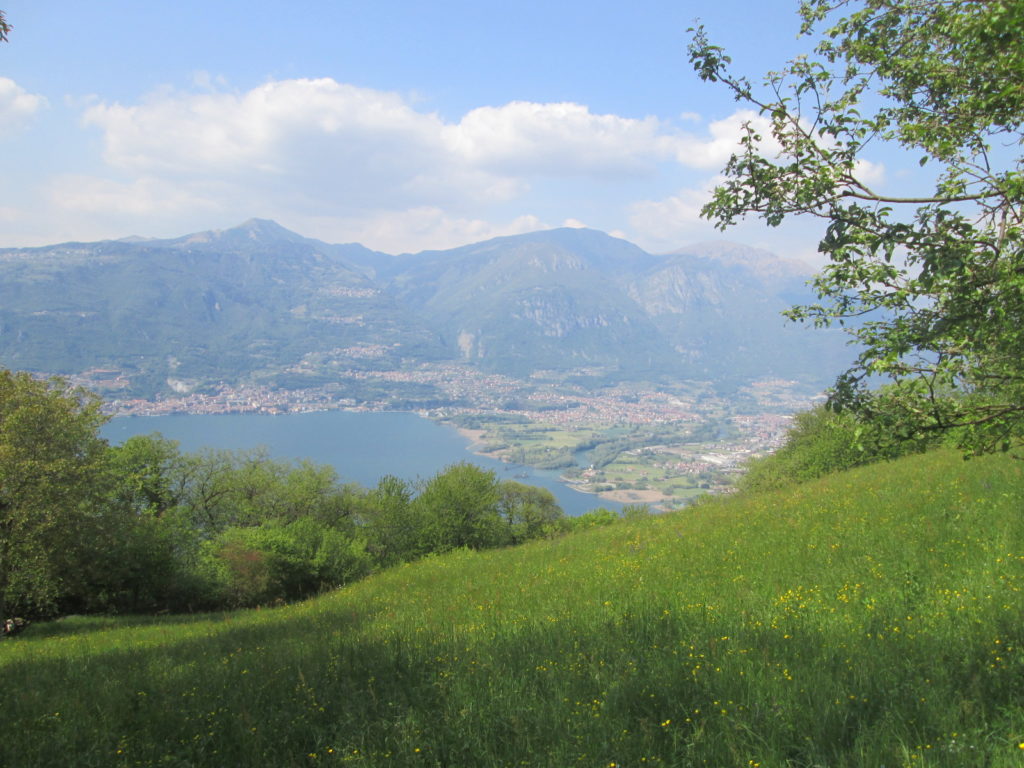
x=472 y=392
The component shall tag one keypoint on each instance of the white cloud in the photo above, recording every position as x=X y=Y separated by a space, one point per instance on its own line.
x=868 y=172
x=259 y=130
x=389 y=173
x=724 y=140
x=330 y=141
x=558 y=139
x=664 y=224
x=300 y=143
x=17 y=105
x=415 y=229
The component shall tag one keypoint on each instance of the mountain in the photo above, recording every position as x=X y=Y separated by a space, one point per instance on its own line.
x=570 y=298
x=203 y=308
x=259 y=302
x=546 y=300
x=720 y=307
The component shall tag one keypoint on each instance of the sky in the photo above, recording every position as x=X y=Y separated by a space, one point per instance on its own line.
x=398 y=124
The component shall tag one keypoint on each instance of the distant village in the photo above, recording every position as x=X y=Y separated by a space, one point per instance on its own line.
x=758 y=415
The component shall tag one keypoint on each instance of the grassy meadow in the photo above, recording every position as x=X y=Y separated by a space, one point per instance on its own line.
x=872 y=618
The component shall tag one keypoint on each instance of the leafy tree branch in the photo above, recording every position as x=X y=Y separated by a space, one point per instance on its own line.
x=933 y=282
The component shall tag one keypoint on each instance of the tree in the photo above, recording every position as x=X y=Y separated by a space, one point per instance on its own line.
x=281 y=560
x=930 y=285
x=458 y=507
x=529 y=512
x=391 y=525
x=5 y=28
x=51 y=470
x=136 y=552
x=143 y=468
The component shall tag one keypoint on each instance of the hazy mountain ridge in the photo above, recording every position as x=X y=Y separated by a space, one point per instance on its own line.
x=259 y=301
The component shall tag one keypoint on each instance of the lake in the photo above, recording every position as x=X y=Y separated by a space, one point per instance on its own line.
x=361 y=446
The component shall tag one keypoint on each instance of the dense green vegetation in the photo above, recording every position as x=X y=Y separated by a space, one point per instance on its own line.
x=821 y=442
x=50 y=460
x=86 y=527
x=867 y=618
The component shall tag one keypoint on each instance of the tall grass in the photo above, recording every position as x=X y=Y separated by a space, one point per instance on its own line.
x=872 y=618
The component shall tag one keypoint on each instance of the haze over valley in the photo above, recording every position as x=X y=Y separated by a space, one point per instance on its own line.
x=539 y=346
x=258 y=305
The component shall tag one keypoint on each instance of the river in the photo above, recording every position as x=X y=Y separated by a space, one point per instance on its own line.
x=361 y=446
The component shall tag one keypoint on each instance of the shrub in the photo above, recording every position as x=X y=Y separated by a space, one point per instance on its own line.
x=821 y=442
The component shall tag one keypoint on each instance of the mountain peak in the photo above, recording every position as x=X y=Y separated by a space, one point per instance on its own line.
x=248 y=233
x=263 y=229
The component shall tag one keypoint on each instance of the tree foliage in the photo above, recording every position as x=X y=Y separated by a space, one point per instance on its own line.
x=51 y=461
x=458 y=507
x=280 y=560
x=931 y=285
x=529 y=512
x=141 y=527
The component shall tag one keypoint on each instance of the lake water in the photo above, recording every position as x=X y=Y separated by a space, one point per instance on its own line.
x=361 y=446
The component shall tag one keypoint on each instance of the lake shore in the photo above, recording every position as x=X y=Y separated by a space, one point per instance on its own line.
x=362 y=446
x=475 y=437
x=477 y=442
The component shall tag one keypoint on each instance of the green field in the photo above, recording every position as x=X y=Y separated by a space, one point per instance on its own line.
x=870 y=618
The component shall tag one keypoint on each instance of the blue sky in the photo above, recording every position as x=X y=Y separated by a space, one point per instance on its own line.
x=400 y=125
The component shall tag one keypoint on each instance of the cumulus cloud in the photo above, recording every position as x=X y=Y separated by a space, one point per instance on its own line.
x=723 y=140
x=384 y=169
x=17 y=105
x=318 y=144
x=359 y=144
x=266 y=130
x=667 y=223
x=562 y=138
x=339 y=139
x=868 y=172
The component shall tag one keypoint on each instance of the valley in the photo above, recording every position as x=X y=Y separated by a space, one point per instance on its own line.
x=646 y=379
x=635 y=444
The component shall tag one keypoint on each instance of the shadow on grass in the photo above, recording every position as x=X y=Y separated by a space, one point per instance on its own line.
x=70 y=626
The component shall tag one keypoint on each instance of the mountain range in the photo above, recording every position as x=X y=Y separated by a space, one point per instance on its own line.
x=261 y=303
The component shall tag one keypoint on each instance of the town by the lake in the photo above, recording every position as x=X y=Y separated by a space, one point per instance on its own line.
x=644 y=444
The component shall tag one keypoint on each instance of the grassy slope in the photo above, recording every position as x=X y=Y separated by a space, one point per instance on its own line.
x=872 y=618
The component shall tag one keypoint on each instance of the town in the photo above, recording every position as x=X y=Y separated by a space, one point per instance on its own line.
x=633 y=443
